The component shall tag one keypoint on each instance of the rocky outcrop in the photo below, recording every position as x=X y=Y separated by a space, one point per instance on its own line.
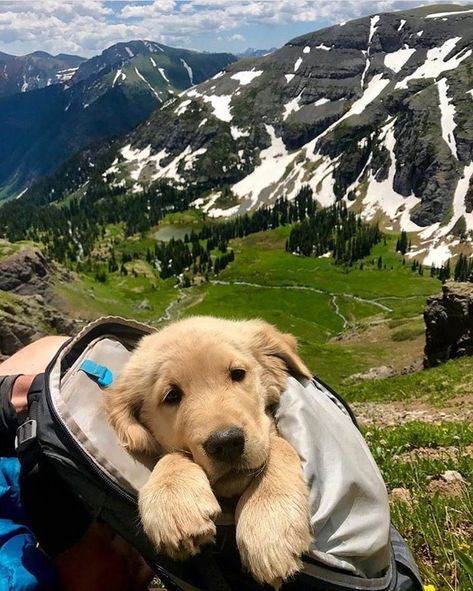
x=25 y=273
x=449 y=324
x=25 y=298
x=28 y=272
x=24 y=319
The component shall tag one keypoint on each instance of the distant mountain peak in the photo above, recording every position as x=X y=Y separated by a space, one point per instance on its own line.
x=39 y=53
x=252 y=52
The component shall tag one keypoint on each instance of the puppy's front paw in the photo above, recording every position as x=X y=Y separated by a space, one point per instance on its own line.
x=272 y=534
x=177 y=515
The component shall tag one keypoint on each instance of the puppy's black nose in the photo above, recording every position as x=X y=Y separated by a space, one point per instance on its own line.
x=227 y=445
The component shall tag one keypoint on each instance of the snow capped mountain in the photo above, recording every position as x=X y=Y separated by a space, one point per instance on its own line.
x=376 y=112
x=102 y=97
x=35 y=70
x=157 y=69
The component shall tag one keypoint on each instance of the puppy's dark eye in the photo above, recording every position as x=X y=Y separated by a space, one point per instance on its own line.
x=173 y=397
x=237 y=374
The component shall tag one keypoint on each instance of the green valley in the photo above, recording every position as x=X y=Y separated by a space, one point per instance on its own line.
x=347 y=320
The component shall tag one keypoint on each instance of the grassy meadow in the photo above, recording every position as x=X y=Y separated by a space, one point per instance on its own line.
x=347 y=320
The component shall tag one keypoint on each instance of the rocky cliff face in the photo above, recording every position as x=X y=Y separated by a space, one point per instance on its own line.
x=449 y=324
x=26 y=312
x=376 y=111
x=25 y=273
x=24 y=319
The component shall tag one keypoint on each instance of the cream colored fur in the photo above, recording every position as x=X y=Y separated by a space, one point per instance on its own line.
x=178 y=505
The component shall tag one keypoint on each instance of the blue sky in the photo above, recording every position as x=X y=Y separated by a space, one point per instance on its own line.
x=86 y=27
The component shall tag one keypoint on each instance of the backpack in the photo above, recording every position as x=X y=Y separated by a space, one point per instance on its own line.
x=67 y=433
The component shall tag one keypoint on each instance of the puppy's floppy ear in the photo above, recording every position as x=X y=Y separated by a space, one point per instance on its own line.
x=277 y=353
x=123 y=405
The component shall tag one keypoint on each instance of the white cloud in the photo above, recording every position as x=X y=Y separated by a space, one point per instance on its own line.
x=88 y=26
x=157 y=8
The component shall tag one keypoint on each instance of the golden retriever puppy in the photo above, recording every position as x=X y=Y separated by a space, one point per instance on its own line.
x=197 y=394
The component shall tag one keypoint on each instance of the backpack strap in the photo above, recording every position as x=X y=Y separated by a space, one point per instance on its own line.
x=26 y=444
x=57 y=516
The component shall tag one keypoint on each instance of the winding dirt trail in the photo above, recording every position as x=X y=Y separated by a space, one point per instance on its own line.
x=333 y=295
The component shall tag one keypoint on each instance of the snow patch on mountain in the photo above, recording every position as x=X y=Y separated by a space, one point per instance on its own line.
x=273 y=160
x=65 y=75
x=447 y=117
x=191 y=158
x=246 y=77
x=373 y=22
x=238 y=133
x=438 y=253
x=141 y=77
x=292 y=106
x=459 y=208
x=447 y=14
x=381 y=195
x=435 y=62
x=118 y=74
x=376 y=85
x=297 y=64
x=220 y=105
x=396 y=60
x=289 y=77
x=223 y=213
x=163 y=74
x=437 y=242
x=138 y=158
x=188 y=70
x=181 y=109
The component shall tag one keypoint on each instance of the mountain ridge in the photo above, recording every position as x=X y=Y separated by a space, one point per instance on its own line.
x=375 y=111
x=35 y=70
x=105 y=96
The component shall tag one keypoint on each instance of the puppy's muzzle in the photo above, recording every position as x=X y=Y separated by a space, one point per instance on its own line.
x=227 y=445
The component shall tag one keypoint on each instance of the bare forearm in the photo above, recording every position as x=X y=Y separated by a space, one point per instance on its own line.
x=20 y=389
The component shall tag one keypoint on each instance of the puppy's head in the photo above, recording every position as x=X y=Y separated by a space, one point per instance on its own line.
x=202 y=386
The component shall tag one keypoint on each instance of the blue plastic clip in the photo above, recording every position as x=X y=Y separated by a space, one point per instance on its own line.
x=100 y=373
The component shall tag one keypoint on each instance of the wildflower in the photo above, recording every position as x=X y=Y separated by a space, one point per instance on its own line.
x=464 y=546
x=429 y=588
